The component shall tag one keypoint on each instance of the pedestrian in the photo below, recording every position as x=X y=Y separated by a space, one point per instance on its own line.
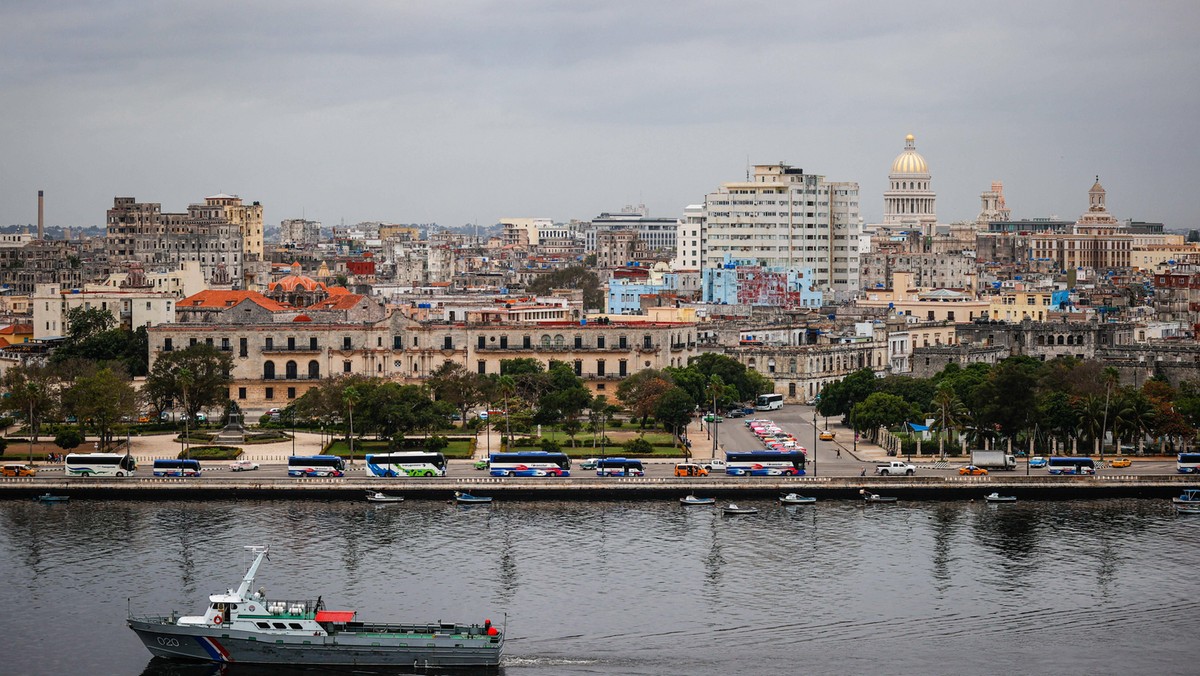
x=839 y=451
x=863 y=472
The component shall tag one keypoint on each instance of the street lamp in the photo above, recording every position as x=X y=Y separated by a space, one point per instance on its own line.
x=814 y=448
x=1104 y=423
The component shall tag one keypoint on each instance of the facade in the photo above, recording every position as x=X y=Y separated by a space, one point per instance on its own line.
x=786 y=219
x=659 y=235
x=799 y=372
x=299 y=232
x=689 y=239
x=139 y=231
x=129 y=308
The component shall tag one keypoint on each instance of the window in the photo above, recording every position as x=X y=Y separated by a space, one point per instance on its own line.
x=503 y=342
x=268 y=370
x=291 y=393
x=243 y=347
x=167 y=344
x=289 y=370
x=622 y=368
x=241 y=393
x=578 y=342
x=599 y=367
x=527 y=342
x=269 y=393
x=448 y=343
x=600 y=341
x=482 y=343
x=622 y=343
x=345 y=367
x=312 y=343
x=270 y=344
x=314 y=370
x=291 y=343
x=345 y=342
x=579 y=367
x=481 y=366
x=397 y=342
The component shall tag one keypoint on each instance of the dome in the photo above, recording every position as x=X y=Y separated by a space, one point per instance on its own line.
x=909 y=161
x=294 y=281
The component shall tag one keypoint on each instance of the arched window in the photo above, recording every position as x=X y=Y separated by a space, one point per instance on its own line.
x=289 y=370
x=268 y=370
x=559 y=341
x=546 y=340
x=1060 y=340
x=314 y=370
x=752 y=363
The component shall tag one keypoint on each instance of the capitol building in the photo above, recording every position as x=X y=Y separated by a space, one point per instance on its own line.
x=909 y=202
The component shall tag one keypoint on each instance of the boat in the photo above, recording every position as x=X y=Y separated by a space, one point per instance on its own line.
x=693 y=500
x=1187 y=509
x=734 y=509
x=996 y=497
x=46 y=497
x=375 y=496
x=249 y=628
x=468 y=499
x=875 y=497
x=1189 y=497
x=794 y=499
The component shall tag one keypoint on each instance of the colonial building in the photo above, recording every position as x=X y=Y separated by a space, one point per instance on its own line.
x=130 y=308
x=910 y=201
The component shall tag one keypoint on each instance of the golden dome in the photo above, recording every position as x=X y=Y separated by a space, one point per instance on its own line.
x=910 y=161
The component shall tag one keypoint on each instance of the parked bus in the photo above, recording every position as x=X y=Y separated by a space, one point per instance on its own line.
x=765 y=463
x=100 y=464
x=316 y=465
x=407 y=463
x=1188 y=463
x=176 y=468
x=619 y=467
x=529 y=463
x=769 y=402
x=1071 y=466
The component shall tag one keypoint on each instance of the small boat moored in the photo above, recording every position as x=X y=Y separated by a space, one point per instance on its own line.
x=731 y=508
x=1189 y=497
x=1187 y=509
x=693 y=500
x=376 y=496
x=468 y=499
x=246 y=627
x=46 y=497
x=794 y=499
x=996 y=497
x=875 y=497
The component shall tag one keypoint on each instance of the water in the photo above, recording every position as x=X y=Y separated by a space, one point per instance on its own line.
x=591 y=588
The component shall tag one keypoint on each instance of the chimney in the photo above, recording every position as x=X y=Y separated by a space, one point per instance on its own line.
x=41 y=215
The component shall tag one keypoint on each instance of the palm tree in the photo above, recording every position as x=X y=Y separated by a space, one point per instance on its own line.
x=948 y=413
x=1091 y=413
x=1141 y=416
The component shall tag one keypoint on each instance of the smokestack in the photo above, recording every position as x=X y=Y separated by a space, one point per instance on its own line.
x=41 y=215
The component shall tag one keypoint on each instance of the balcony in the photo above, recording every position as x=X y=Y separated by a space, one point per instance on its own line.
x=299 y=376
x=268 y=349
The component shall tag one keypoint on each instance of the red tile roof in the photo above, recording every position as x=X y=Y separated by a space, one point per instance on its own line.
x=213 y=299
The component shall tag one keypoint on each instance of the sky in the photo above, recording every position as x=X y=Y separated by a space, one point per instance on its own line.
x=472 y=111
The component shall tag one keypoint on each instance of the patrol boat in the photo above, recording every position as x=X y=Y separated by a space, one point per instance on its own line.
x=248 y=628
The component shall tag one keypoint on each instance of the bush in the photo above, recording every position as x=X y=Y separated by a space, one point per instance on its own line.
x=549 y=445
x=436 y=443
x=211 y=453
x=68 y=438
x=615 y=423
x=7 y=421
x=638 y=446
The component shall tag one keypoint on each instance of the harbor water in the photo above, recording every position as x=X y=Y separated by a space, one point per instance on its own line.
x=1087 y=587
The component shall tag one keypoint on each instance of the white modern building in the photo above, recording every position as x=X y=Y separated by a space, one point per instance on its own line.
x=783 y=218
x=689 y=238
x=909 y=200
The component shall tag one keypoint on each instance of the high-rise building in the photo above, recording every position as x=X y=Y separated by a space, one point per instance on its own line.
x=140 y=231
x=299 y=232
x=783 y=218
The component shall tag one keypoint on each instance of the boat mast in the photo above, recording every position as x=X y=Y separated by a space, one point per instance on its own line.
x=260 y=552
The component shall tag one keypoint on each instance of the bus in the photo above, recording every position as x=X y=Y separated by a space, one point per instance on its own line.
x=407 y=463
x=176 y=467
x=1071 y=466
x=769 y=402
x=529 y=463
x=765 y=463
x=619 y=467
x=316 y=465
x=1188 y=463
x=100 y=464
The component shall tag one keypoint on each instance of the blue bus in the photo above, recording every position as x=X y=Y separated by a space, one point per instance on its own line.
x=316 y=465
x=1071 y=465
x=765 y=463
x=529 y=463
x=1188 y=463
x=619 y=467
x=176 y=468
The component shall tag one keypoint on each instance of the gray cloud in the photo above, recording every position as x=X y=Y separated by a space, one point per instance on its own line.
x=471 y=111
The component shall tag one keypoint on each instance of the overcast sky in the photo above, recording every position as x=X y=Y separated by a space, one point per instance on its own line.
x=467 y=112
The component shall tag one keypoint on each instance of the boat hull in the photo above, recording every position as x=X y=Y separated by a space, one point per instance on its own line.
x=216 y=644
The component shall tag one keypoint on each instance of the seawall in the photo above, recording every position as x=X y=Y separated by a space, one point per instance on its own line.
x=828 y=488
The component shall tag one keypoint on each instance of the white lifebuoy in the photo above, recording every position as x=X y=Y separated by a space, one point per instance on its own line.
x=216 y=619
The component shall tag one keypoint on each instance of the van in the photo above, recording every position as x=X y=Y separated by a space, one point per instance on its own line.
x=17 y=470
x=690 y=469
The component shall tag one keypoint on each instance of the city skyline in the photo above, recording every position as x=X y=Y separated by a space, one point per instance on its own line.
x=469 y=114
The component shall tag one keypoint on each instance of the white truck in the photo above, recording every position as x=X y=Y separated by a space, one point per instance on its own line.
x=993 y=460
x=895 y=467
x=713 y=465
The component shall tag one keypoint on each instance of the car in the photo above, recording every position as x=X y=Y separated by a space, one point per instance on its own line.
x=690 y=469
x=481 y=464
x=17 y=470
x=972 y=470
x=826 y=436
x=736 y=413
x=273 y=411
x=710 y=418
x=143 y=418
x=1037 y=461
x=590 y=463
x=1121 y=462
x=243 y=466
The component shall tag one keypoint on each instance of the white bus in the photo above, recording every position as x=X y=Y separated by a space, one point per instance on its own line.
x=100 y=464
x=1188 y=463
x=407 y=463
x=769 y=402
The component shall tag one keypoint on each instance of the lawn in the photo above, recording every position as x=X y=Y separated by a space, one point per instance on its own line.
x=457 y=448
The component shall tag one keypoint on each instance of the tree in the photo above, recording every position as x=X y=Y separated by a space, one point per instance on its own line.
x=32 y=394
x=883 y=410
x=68 y=438
x=948 y=412
x=85 y=322
x=674 y=410
x=839 y=397
x=201 y=371
x=100 y=402
x=574 y=277
x=457 y=386
x=642 y=391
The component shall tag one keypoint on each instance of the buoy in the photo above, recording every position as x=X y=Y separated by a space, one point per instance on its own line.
x=216 y=619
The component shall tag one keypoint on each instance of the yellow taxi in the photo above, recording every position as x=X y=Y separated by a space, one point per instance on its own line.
x=690 y=469
x=17 y=470
x=972 y=470
x=826 y=436
x=1121 y=462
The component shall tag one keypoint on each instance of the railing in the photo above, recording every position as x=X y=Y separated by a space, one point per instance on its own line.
x=284 y=348
x=298 y=376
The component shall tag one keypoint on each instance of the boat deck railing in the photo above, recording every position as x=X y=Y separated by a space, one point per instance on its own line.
x=429 y=630
x=284 y=608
